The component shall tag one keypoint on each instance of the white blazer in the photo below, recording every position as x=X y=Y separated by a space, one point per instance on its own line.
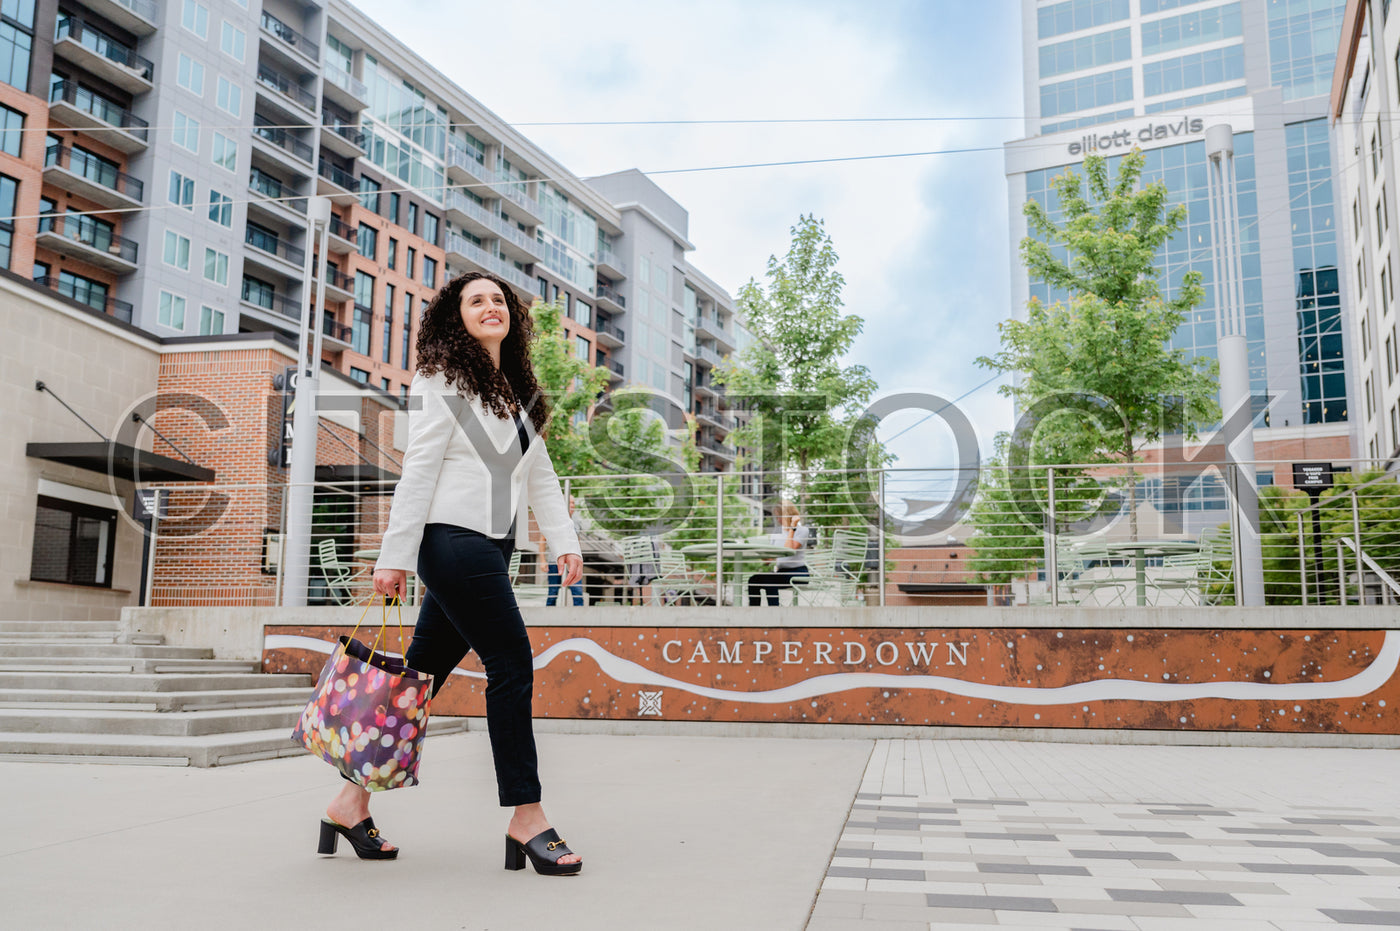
x=463 y=466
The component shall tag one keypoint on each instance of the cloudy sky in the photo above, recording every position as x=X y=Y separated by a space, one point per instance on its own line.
x=923 y=241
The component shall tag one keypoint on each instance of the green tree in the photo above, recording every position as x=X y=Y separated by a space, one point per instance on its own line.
x=571 y=385
x=803 y=401
x=1109 y=340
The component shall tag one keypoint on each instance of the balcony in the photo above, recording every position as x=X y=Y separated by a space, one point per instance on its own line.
x=609 y=299
x=513 y=191
x=271 y=251
x=463 y=168
x=89 y=176
x=343 y=88
x=708 y=355
x=716 y=448
x=616 y=372
x=286 y=93
x=609 y=264
x=466 y=212
x=339 y=286
x=107 y=122
x=714 y=418
x=609 y=333
x=103 y=304
x=286 y=39
x=272 y=303
x=336 y=332
x=336 y=183
x=464 y=249
x=707 y=325
x=283 y=204
x=341 y=238
x=138 y=17
x=340 y=135
x=281 y=143
x=86 y=239
x=98 y=53
x=705 y=386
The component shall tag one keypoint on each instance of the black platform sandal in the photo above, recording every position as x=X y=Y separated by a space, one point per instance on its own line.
x=364 y=837
x=544 y=850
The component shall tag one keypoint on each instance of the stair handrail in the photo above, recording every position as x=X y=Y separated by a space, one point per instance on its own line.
x=1372 y=565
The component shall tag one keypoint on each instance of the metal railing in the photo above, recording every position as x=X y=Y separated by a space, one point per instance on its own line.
x=92 y=168
x=455 y=199
x=611 y=294
x=286 y=87
x=492 y=263
x=83 y=292
x=277 y=303
x=91 y=233
x=611 y=329
x=289 y=36
x=456 y=155
x=343 y=127
x=338 y=176
x=273 y=245
x=980 y=535
x=97 y=41
x=268 y=131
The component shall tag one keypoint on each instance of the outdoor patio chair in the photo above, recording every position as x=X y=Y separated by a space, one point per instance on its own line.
x=675 y=581
x=531 y=592
x=340 y=577
x=824 y=583
x=1094 y=580
x=639 y=561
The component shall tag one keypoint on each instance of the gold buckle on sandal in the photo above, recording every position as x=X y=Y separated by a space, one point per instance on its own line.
x=552 y=844
x=373 y=832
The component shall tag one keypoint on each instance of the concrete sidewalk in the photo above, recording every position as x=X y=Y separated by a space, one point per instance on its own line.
x=703 y=833
x=733 y=833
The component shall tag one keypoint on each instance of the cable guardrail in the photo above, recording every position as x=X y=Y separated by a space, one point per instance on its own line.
x=1091 y=535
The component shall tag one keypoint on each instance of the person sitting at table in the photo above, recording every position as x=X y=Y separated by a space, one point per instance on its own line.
x=795 y=536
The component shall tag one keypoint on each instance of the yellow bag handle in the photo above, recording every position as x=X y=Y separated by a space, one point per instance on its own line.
x=398 y=604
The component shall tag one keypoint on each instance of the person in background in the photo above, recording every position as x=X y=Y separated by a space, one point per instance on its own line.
x=794 y=535
x=577 y=588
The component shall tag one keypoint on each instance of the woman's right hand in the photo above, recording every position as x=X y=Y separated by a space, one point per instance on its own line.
x=391 y=582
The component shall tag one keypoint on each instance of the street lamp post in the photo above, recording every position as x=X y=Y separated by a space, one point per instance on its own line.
x=1233 y=354
x=297 y=567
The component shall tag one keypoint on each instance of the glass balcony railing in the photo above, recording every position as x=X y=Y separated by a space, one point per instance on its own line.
x=96 y=105
x=280 y=137
x=338 y=176
x=611 y=329
x=346 y=82
x=266 y=185
x=617 y=368
x=457 y=200
x=611 y=295
x=339 y=227
x=343 y=128
x=337 y=279
x=146 y=9
x=91 y=293
x=462 y=158
x=95 y=40
x=289 y=36
x=91 y=233
x=286 y=87
x=272 y=245
x=492 y=263
x=93 y=168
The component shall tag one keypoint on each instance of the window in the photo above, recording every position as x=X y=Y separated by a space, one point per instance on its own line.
x=393 y=259
x=220 y=208
x=211 y=321
x=232 y=41
x=1214 y=66
x=177 y=251
x=229 y=97
x=430 y=272
x=15 y=46
x=172 y=310
x=189 y=74
x=74 y=543
x=181 y=190
x=364 y=289
x=359 y=330
x=645 y=270
x=195 y=18
x=215 y=267
x=393 y=207
x=1389 y=360
x=387 y=343
x=582 y=348
x=430 y=227
x=407 y=321
x=1356 y=218
x=1194 y=28
x=1074 y=15
x=410 y=262
x=413 y=218
x=583 y=313
x=1370 y=399
x=11 y=130
x=360 y=375
x=367 y=241
x=185 y=132
x=1103 y=48
x=1366 y=333
x=1375 y=155
x=369 y=194
x=258 y=293
x=83 y=290
x=225 y=152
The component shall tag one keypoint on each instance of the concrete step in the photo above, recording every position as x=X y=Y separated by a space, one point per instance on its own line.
x=148 y=723
x=50 y=649
x=207 y=750
x=149 y=682
x=154 y=701
x=75 y=627
x=59 y=636
x=60 y=664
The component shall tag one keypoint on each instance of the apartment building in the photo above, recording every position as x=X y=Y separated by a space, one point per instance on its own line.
x=1105 y=76
x=1365 y=101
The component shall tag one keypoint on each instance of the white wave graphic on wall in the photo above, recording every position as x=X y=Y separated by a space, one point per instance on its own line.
x=628 y=672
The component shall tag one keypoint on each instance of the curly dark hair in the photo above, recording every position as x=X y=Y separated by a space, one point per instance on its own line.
x=444 y=345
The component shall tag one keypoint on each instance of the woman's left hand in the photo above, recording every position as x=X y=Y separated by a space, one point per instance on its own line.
x=571 y=568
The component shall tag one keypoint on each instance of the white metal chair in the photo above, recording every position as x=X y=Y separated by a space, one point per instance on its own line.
x=340 y=577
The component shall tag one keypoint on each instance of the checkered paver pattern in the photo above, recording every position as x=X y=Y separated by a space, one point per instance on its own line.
x=950 y=834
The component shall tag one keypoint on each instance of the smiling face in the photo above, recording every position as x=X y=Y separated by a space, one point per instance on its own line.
x=485 y=313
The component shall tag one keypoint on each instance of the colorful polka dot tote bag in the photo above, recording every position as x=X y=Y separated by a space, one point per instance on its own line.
x=368 y=713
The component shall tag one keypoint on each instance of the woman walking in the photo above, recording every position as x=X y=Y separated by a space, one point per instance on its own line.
x=474 y=458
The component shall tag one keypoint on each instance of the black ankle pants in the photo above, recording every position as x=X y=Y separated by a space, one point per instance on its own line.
x=470 y=605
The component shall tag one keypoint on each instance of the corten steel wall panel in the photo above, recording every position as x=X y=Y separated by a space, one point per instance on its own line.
x=1292 y=681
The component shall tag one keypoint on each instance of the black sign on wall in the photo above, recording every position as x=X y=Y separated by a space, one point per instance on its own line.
x=280 y=455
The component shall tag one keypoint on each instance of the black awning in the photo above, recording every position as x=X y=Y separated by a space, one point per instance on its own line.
x=376 y=481
x=120 y=461
x=942 y=588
